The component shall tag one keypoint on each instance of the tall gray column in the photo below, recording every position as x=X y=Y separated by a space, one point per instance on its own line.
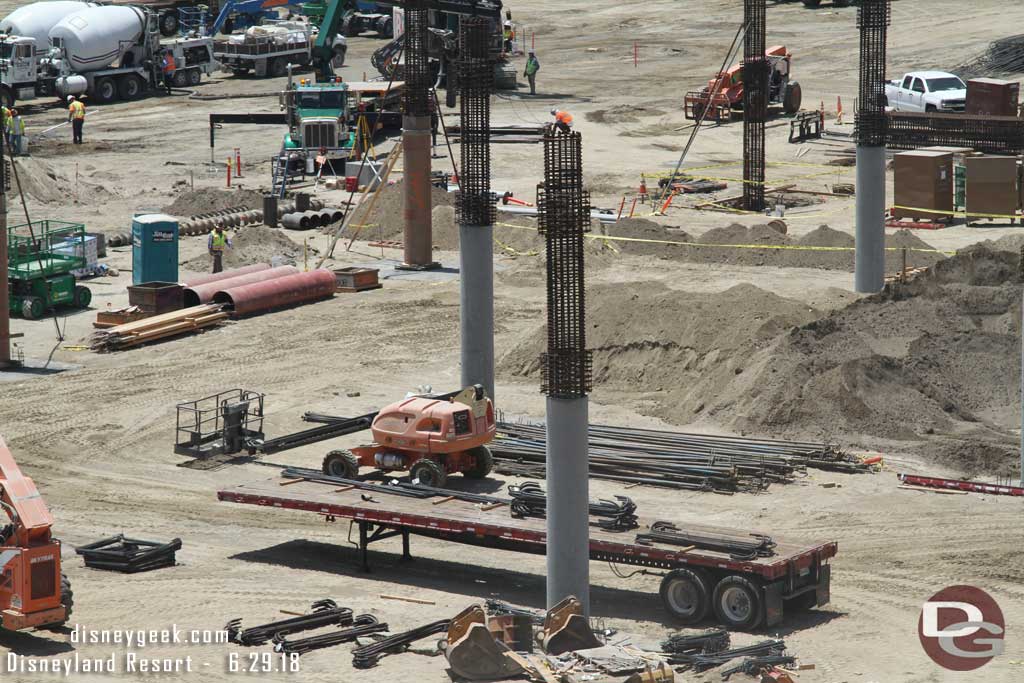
x=869 y=264
x=568 y=500
x=476 y=310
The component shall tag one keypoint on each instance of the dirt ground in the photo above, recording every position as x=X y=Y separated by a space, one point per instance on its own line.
x=98 y=437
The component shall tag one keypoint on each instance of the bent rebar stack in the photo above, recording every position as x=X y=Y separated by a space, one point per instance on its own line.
x=756 y=71
x=475 y=207
x=564 y=212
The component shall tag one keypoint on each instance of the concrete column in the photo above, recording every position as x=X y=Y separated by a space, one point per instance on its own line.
x=476 y=310
x=416 y=178
x=568 y=547
x=869 y=267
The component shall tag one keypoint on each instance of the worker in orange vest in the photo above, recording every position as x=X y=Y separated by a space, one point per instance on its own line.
x=563 y=120
x=76 y=115
x=168 y=66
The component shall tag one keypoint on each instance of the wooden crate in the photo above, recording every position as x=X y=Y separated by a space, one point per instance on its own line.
x=353 y=279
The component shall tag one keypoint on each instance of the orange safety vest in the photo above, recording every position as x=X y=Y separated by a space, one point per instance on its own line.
x=563 y=117
x=169 y=63
x=77 y=110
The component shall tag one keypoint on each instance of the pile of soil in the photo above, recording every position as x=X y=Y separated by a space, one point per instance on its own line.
x=204 y=200
x=930 y=363
x=253 y=244
x=51 y=183
x=387 y=219
x=830 y=249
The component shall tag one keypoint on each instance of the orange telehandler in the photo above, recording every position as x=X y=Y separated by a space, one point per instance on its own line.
x=33 y=591
x=724 y=93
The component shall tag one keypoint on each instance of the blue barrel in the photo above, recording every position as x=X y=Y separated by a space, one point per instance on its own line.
x=154 y=248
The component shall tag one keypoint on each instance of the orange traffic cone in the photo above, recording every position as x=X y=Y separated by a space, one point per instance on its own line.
x=642 y=193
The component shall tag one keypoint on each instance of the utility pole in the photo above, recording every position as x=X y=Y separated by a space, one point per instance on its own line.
x=873 y=18
x=475 y=206
x=564 y=212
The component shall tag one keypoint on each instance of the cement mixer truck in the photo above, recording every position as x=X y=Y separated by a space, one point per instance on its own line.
x=104 y=52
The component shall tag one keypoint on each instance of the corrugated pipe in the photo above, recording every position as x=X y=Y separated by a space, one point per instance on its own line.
x=283 y=291
x=203 y=294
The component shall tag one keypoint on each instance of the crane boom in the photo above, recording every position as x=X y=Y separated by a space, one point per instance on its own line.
x=19 y=495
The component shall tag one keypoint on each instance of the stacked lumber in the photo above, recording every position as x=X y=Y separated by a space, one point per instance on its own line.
x=157 y=327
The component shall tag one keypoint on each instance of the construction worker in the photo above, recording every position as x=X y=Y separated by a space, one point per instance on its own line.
x=168 y=66
x=216 y=244
x=508 y=34
x=15 y=132
x=532 y=67
x=76 y=115
x=563 y=120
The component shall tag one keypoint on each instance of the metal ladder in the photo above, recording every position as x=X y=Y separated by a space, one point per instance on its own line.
x=279 y=171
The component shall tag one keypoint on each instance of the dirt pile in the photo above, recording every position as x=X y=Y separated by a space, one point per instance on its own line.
x=762 y=245
x=54 y=182
x=933 y=362
x=253 y=244
x=387 y=219
x=204 y=200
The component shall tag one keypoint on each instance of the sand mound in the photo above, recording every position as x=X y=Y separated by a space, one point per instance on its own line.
x=929 y=362
x=204 y=200
x=253 y=244
x=387 y=219
x=48 y=182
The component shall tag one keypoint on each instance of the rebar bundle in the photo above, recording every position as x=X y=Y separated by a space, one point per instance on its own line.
x=756 y=73
x=1002 y=58
x=988 y=134
x=474 y=204
x=766 y=648
x=322 y=613
x=745 y=548
x=674 y=459
x=368 y=655
x=563 y=213
x=754 y=666
x=873 y=19
x=529 y=500
x=416 y=97
x=363 y=625
x=680 y=645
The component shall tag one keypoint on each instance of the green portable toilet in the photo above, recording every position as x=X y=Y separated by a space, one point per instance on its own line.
x=154 y=248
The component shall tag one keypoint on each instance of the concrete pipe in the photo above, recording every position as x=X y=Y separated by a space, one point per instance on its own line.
x=301 y=202
x=295 y=221
x=338 y=215
x=326 y=217
x=203 y=293
x=270 y=208
x=316 y=204
x=197 y=280
x=313 y=217
x=283 y=291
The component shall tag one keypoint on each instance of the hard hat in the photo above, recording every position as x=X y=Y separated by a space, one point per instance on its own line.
x=71 y=98
x=554 y=111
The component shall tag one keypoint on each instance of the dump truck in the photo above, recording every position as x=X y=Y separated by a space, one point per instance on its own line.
x=106 y=53
x=268 y=49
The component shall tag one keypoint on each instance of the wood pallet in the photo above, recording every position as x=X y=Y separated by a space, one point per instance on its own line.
x=157 y=327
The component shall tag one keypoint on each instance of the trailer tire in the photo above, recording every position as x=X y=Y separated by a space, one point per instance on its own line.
x=169 y=23
x=278 y=67
x=105 y=90
x=387 y=28
x=350 y=26
x=428 y=472
x=812 y=3
x=130 y=87
x=195 y=76
x=341 y=464
x=32 y=308
x=737 y=603
x=792 y=98
x=685 y=595
x=338 y=60
x=483 y=463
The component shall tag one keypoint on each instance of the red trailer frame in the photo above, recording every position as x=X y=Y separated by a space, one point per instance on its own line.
x=797 y=574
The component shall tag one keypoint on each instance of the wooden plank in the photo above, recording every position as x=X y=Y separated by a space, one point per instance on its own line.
x=403 y=598
x=442 y=500
x=292 y=481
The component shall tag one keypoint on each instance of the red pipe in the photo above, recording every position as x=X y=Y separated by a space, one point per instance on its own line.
x=197 y=280
x=203 y=294
x=283 y=291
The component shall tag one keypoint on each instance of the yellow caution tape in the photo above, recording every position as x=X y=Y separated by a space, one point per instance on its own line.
x=956 y=212
x=513 y=250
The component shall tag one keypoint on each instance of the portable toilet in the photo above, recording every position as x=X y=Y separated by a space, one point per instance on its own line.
x=154 y=248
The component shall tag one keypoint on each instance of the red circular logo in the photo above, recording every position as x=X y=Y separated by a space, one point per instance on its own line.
x=961 y=628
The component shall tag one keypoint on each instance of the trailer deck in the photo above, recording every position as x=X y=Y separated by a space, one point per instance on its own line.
x=794 y=569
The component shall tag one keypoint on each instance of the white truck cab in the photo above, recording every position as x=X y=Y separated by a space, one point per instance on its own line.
x=18 y=68
x=936 y=91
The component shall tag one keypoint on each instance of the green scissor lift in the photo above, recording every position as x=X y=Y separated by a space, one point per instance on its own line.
x=39 y=265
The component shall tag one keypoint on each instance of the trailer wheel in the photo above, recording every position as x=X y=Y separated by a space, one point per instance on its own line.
x=428 y=472
x=278 y=67
x=179 y=79
x=387 y=28
x=483 y=463
x=685 y=595
x=32 y=308
x=169 y=23
x=338 y=60
x=195 y=76
x=737 y=602
x=812 y=3
x=792 y=98
x=341 y=464
x=105 y=90
x=350 y=26
x=129 y=87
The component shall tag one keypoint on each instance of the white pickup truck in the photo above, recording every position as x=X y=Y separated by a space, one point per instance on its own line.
x=927 y=91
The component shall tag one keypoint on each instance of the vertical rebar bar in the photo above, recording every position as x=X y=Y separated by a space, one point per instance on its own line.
x=5 y=303
x=756 y=73
x=873 y=18
x=475 y=210
x=564 y=212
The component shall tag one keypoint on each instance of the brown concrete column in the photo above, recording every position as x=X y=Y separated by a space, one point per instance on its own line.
x=418 y=237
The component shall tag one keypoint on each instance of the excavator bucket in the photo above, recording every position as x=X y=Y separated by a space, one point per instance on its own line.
x=566 y=629
x=473 y=653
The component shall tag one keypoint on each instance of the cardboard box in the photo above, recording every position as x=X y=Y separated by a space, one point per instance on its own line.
x=992 y=97
x=991 y=187
x=923 y=184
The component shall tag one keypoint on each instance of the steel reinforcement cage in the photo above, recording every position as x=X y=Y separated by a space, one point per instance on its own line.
x=756 y=73
x=474 y=205
x=416 y=99
x=873 y=18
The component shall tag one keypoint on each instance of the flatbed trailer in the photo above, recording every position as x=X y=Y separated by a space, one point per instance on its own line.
x=796 y=576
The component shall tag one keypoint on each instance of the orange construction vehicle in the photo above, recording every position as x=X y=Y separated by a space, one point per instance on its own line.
x=33 y=591
x=724 y=94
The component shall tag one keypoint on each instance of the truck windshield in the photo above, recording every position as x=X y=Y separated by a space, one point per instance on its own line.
x=943 y=84
x=6 y=50
x=328 y=99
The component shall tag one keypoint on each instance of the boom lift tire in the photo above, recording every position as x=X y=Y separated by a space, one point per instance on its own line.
x=341 y=464
x=483 y=463
x=792 y=98
x=429 y=473
x=32 y=308
x=82 y=296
